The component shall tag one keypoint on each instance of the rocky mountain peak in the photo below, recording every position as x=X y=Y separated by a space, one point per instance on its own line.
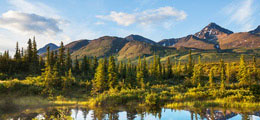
x=212 y=31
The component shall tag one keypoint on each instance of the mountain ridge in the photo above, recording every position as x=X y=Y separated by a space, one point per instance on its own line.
x=217 y=38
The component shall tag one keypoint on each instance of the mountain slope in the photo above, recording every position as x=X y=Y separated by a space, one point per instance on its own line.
x=76 y=45
x=240 y=40
x=101 y=47
x=256 y=31
x=212 y=32
x=192 y=41
x=139 y=38
x=44 y=49
x=168 y=42
x=133 y=49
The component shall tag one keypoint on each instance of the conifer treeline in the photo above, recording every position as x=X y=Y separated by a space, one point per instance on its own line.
x=60 y=72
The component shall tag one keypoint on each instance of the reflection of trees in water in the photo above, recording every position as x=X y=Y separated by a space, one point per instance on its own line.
x=219 y=114
x=85 y=112
x=58 y=113
x=112 y=113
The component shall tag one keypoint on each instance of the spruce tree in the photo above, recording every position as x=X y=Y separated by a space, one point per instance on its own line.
x=140 y=74
x=29 y=51
x=68 y=60
x=228 y=73
x=48 y=56
x=190 y=65
x=99 y=79
x=169 y=68
x=95 y=64
x=255 y=71
x=222 y=70
x=242 y=72
x=197 y=74
x=61 y=59
x=129 y=74
x=17 y=54
x=145 y=68
x=112 y=73
x=35 y=58
x=68 y=81
x=85 y=66
x=211 y=78
x=76 y=66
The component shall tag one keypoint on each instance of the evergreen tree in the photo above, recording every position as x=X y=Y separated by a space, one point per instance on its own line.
x=100 y=77
x=48 y=56
x=68 y=81
x=255 y=71
x=85 y=66
x=121 y=70
x=61 y=59
x=222 y=78
x=29 y=51
x=35 y=58
x=178 y=69
x=211 y=78
x=76 y=66
x=154 y=66
x=17 y=54
x=159 y=69
x=140 y=74
x=222 y=70
x=190 y=65
x=169 y=68
x=68 y=60
x=228 y=73
x=222 y=85
x=145 y=68
x=129 y=74
x=197 y=74
x=242 y=72
x=95 y=64
x=52 y=59
x=112 y=74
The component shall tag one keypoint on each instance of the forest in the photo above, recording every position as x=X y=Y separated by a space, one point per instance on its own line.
x=93 y=81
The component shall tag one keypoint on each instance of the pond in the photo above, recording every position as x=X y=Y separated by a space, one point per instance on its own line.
x=130 y=113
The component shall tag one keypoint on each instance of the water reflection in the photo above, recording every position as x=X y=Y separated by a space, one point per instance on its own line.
x=129 y=113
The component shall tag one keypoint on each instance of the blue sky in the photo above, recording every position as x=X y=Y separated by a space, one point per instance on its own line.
x=69 y=20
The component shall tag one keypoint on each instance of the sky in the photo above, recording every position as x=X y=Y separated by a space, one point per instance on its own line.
x=53 y=21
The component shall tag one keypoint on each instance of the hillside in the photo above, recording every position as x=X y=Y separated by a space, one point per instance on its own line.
x=139 y=38
x=240 y=40
x=256 y=31
x=168 y=42
x=212 y=37
x=101 y=47
x=44 y=49
x=192 y=41
x=76 y=45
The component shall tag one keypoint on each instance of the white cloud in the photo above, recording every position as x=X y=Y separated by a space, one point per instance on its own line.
x=241 y=13
x=26 y=23
x=33 y=7
x=147 y=17
x=28 y=18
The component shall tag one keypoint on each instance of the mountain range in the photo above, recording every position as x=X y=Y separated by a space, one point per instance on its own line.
x=211 y=37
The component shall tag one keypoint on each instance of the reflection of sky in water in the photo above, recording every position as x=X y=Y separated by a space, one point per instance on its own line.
x=167 y=114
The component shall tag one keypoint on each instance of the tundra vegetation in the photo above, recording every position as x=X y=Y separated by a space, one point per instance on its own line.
x=57 y=79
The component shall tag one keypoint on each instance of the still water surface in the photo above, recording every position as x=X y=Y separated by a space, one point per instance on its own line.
x=83 y=113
